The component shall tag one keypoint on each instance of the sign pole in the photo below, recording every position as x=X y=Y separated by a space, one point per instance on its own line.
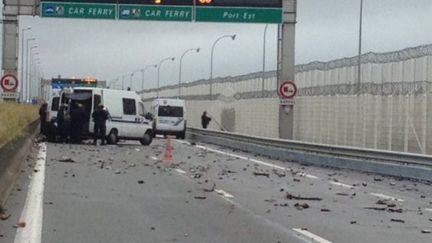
x=286 y=52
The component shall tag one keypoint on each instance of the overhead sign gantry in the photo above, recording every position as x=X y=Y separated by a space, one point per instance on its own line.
x=234 y=11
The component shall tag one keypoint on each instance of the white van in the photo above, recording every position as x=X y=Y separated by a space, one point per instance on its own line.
x=128 y=116
x=169 y=117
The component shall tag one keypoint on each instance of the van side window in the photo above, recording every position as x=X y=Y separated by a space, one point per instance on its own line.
x=141 y=109
x=97 y=101
x=55 y=104
x=129 y=107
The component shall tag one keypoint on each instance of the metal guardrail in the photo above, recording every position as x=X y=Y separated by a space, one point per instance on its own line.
x=322 y=149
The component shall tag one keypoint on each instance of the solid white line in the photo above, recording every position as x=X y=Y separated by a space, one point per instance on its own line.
x=311 y=235
x=180 y=171
x=340 y=184
x=252 y=160
x=33 y=209
x=223 y=193
x=386 y=197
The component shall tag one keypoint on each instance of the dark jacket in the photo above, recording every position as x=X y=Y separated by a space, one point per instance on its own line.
x=100 y=116
x=205 y=120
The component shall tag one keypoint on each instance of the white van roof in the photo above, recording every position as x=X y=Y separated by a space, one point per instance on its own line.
x=168 y=101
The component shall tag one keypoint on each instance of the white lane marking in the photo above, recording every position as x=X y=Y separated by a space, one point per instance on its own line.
x=341 y=184
x=386 y=197
x=428 y=209
x=154 y=158
x=32 y=213
x=252 y=160
x=223 y=193
x=180 y=171
x=311 y=235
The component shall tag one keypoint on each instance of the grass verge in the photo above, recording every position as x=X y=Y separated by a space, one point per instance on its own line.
x=14 y=118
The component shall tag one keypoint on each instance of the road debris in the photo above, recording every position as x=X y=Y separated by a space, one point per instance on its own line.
x=291 y=197
x=398 y=220
x=21 y=224
x=66 y=159
x=210 y=189
x=301 y=206
x=200 y=197
x=325 y=210
x=140 y=182
x=4 y=216
x=261 y=174
x=353 y=222
x=296 y=180
x=426 y=231
x=280 y=174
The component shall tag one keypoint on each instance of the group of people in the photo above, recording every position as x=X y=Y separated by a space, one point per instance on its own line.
x=69 y=126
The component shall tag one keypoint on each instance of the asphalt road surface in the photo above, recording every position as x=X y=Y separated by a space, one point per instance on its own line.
x=129 y=193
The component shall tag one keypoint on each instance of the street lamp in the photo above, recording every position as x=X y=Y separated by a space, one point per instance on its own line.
x=211 y=60
x=25 y=74
x=123 y=77
x=30 y=71
x=158 y=73
x=22 y=62
x=143 y=73
x=360 y=48
x=264 y=59
x=29 y=57
x=180 y=68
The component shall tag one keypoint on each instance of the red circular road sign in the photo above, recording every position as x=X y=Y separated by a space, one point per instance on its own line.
x=9 y=82
x=287 y=89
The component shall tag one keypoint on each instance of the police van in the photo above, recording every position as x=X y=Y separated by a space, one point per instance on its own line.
x=129 y=119
x=169 y=117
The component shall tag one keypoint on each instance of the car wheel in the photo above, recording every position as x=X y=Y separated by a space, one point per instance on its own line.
x=112 y=137
x=146 y=139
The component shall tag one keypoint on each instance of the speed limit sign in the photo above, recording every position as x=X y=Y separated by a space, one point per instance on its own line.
x=287 y=90
x=9 y=83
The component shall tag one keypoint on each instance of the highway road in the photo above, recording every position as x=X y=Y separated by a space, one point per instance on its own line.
x=207 y=193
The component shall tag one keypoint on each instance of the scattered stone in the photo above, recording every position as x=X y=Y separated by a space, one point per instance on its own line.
x=422 y=196
x=395 y=210
x=426 y=231
x=4 y=216
x=398 y=220
x=353 y=222
x=261 y=174
x=200 y=197
x=152 y=228
x=291 y=197
x=342 y=194
x=376 y=208
x=301 y=206
x=21 y=224
x=364 y=184
x=377 y=179
x=325 y=210
x=210 y=189
x=296 y=180
x=117 y=172
x=279 y=173
x=140 y=182
x=186 y=235
x=281 y=189
x=66 y=159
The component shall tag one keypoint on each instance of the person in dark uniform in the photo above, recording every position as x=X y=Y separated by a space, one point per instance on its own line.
x=100 y=116
x=78 y=116
x=43 y=117
x=205 y=120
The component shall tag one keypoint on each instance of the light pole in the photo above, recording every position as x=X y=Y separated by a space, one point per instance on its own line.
x=30 y=73
x=143 y=73
x=264 y=59
x=211 y=60
x=123 y=77
x=158 y=73
x=130 y=81
x=360 y=48
x=22 y=62
x=25 y=74
x=29 y=57
x=180 y=68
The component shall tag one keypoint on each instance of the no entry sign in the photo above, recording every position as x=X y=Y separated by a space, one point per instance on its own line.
x=287 y=90
x=9 y=83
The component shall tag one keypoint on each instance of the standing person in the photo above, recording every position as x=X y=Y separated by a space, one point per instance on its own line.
x=205 y=120
x=100 y=116
x=43 y=117
x=78 y=116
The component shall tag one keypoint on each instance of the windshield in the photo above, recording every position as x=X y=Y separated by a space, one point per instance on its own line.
x=170 y=111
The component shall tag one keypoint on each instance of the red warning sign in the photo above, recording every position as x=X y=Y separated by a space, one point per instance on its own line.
x=287 y=90
x=9 y=83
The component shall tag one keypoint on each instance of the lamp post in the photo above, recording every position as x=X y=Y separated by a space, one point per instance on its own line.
x=25 y=82
x=264 y=60
x=211 y=60
x=180 y=68
x=22 y=63
x=158 y=73
x=30 y=73
x=123 y=78
x=29 y=57
x=143 y=74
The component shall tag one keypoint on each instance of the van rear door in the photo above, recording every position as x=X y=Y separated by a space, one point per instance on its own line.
x=170 y=118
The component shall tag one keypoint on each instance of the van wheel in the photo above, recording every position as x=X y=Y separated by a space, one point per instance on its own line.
x=182 y=135
x=112 y=138
x=146 y=139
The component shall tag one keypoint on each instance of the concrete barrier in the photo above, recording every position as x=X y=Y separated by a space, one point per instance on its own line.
x=357 y=163
x=12 y=156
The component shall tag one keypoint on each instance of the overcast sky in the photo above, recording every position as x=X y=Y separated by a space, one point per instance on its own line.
x=326 y=29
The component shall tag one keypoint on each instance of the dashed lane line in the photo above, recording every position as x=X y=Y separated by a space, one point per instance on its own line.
x=310 y=235
x=32 y=213
x=341 y=184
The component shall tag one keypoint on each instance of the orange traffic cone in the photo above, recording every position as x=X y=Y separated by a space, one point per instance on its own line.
x=168 y=151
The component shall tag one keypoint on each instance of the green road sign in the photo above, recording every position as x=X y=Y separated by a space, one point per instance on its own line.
x=78 y=10
x=239 y=15
x=161 y=13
